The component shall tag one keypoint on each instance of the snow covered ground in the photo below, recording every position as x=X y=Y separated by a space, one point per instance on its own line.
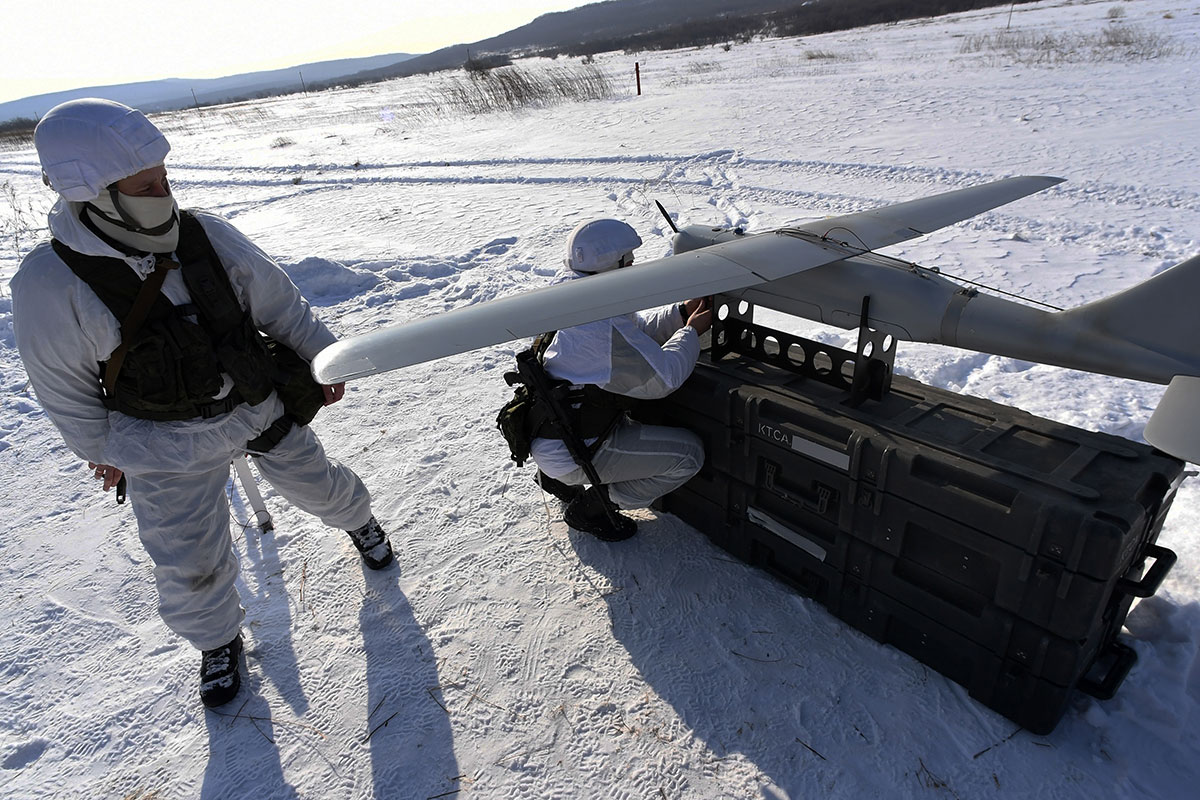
x=509 y=657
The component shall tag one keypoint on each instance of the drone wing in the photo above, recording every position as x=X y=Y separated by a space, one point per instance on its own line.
x=719 y=268
x=880 y=227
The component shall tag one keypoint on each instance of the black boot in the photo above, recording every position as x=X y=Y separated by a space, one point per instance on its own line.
x=220 y=674
x=565 y=492
x=587 y=513
x=373 y=544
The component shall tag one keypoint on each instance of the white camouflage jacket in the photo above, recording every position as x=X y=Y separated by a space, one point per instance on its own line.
x=64 y=331
x=646 y=355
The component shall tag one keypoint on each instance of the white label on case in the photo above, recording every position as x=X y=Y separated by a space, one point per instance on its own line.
x=820 y=452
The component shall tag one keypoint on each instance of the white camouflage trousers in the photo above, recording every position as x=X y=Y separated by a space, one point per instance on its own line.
x=640 y=463
x=183 y=522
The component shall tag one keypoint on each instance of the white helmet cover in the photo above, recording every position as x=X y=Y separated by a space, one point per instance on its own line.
x=600 y=245
x=85 y=145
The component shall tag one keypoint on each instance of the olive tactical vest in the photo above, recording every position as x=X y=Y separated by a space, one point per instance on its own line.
x=584 y=412
x=173 y=368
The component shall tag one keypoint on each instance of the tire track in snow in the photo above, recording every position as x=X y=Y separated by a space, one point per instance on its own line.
x=674 y=169
x=726 y=180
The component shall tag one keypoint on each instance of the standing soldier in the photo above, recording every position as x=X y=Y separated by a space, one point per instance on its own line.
x=138 y=325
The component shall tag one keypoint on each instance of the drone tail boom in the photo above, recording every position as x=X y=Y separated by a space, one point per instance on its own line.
x=1150 y=331
x=1158 y=314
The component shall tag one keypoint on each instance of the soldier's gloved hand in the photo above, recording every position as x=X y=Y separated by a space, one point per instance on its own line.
x=333 y=392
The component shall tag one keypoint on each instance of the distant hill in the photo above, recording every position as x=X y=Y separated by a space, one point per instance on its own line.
x=604 y=21
x=658 y=24
x=593 y=28
x=173 y=93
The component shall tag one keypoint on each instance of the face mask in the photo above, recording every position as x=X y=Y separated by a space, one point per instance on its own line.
x=149 y=212
x=146 y=213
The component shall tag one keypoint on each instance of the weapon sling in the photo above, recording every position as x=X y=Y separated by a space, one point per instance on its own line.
x=533 y=374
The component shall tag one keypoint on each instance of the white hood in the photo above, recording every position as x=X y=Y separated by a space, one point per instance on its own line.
x=66 y=226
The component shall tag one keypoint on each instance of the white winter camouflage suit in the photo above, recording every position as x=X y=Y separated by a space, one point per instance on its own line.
x=646 y=355
x=177 y=471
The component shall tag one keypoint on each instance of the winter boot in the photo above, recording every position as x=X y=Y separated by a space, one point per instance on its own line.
x=565 y=492
x=587 y=513
x=220 y=674
x=373 y=543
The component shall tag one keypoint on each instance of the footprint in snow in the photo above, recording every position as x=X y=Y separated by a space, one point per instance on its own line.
x=24 y=406
x=417 y=289
x=324 y=282
x=498 y=247
x=437 y=269
x=956 y=372
x=24 y=754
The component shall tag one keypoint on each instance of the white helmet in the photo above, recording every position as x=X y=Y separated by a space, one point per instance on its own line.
x=600 y=245
x=85 y=145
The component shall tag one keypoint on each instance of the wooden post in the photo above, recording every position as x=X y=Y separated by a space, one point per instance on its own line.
x=637 y=71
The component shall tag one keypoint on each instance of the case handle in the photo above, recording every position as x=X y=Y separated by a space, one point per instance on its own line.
x=1124 y=657
x=818 y=501
x=1164 y=559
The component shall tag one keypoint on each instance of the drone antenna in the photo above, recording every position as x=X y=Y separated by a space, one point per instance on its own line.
x=670 y=221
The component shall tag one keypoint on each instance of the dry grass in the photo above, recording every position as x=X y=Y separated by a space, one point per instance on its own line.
x=17 y=134
x=1113 y=43
x=511 y=88
x=21 y=225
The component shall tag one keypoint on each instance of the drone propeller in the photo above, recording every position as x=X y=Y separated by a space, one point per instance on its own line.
x=670 y=221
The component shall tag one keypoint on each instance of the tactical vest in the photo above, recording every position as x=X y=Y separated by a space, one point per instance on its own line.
x=173 y=368
x=589 y=411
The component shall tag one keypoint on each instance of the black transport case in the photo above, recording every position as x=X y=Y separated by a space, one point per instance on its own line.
x=1001 y=549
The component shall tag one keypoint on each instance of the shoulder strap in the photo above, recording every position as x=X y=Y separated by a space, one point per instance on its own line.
x=111 y=279
x=535 y=352
x=206 y=278
x=542 y=343
x=137 y=316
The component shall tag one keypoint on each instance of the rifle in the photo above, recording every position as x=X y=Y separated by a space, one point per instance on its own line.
x=531 y=372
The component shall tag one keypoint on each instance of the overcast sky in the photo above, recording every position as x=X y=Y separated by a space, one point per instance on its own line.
x=55 y=45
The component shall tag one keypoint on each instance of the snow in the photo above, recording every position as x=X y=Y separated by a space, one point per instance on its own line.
x=507 y=656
